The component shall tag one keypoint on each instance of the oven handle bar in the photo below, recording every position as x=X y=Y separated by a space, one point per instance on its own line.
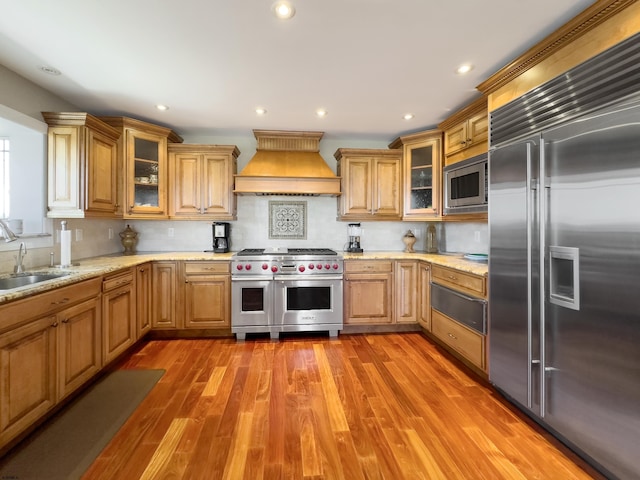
x=308 y=277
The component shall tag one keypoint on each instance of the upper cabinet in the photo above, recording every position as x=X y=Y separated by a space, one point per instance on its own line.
x=142 y=149
x=371 y=184
x=201 y=181
x=422 y=174
x=466 y=132
x=82 y=166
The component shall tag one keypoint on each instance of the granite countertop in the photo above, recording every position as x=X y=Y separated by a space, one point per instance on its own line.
x=103 y=265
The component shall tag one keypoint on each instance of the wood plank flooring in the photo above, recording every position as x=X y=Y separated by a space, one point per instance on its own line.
x=390 y=406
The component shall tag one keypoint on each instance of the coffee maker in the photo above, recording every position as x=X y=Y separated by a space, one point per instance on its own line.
x=354 y=238
x=221 y=237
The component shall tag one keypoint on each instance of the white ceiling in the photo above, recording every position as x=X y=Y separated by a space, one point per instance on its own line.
x=367 y=62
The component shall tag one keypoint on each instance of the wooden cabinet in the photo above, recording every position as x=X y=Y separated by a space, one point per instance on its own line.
x=49 y=346
x=466 y=133
x=79 y=345
x=424 y=293
x=406 y=291
x=422 y=154
x=368 y=292
x=143 y=299
x=142 y=147
x=371 y=184
x=468 y=343
x=207 y=295
x=118 y=314
x=165 y=295
x=201 y=181
x=82 y=168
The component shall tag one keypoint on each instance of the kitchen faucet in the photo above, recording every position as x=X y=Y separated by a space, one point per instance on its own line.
x=19 y=268
x=8 y=235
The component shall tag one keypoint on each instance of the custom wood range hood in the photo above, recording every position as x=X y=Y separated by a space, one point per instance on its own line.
x=287 y=163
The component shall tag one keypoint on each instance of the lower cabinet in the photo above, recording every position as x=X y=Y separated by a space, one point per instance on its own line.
x=118 y=314
x=143 y=299
x=207 y=295
x=49 y=346
x=424 y=293
x=406 y=291
x=368 y=292
x=463 y=340
x=164 y=280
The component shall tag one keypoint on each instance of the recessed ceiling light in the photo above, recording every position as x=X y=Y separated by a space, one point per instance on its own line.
x=321 y=112
x=162 y=108
x=283 y=10
x=261 y=111
x=462 y=69
x=408 y=116
x=49 y=70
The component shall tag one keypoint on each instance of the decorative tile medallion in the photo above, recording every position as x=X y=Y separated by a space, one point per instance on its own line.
x=288 y=220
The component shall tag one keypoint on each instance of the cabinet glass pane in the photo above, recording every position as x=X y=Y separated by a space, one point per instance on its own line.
x=146 y=195
x=146 y=149
x=421 y=198
x=421 y=156
x=421 y=177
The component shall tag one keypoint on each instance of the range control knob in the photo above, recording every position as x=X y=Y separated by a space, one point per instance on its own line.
x=311 y=266
x=319 y=266
x=336 y=266
x=265 y=266
x=274 y=269
x=301 y=268
x=327 y=266
x=248 y=267
x=239 y=267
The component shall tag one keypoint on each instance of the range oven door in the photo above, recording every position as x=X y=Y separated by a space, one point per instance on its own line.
x=251 y=304
x=308 y=304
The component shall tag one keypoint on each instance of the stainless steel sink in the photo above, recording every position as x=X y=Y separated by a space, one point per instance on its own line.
x=23 y=279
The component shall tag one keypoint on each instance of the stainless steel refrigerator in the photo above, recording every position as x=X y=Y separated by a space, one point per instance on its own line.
x=564 y=271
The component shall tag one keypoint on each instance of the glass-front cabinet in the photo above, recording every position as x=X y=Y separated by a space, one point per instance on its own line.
x=422 y=154
x=143 y=151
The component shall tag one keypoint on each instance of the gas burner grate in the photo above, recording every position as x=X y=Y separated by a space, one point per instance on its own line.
x=311 y=251
x=250 y=251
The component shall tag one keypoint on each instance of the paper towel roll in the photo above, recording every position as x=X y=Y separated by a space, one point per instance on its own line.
x=65 y=248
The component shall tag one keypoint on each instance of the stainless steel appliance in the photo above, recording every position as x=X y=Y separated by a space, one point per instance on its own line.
x=466 y=186
x=221 y=236
x=470 y=311
x=286 y=290
x=564 y=263
x=354 y=238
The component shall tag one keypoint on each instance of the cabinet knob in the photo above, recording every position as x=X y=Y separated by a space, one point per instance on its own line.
x=452 y=336
x=54 y=324
x=66 y=320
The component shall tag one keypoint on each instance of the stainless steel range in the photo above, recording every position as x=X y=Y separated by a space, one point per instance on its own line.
x=286 y=290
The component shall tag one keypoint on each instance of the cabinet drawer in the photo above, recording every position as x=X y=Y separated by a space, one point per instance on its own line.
x=461 y=281
x=366 y=266
x=117 y=280
x=458 y=337
x=206 y=268
x=14 y=313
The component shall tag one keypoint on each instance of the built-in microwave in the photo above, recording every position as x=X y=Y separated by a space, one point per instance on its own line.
x=466 y=186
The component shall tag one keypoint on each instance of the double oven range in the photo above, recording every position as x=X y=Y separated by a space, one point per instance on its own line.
x=286 y=290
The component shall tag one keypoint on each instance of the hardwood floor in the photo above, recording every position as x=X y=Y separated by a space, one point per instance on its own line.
x=390 y=406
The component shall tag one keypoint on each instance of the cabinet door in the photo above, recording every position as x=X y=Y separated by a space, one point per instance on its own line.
x=207 y=301
x=368 y=298
x=186 y=181
x=146 y=174
x=143 y=299
x=424 y=302
x=27 y=375
x=423 y=189
x=118 y=320
x=63 y=173
x=455 y=138
x=101 y=175
x=406 y=291
x=164 y=288
x=358 y=180
x=386 y=188
x=217 y=189
x=478 y=129
x=79 y=345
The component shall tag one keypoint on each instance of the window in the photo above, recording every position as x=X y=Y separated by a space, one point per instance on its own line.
x=4 y=178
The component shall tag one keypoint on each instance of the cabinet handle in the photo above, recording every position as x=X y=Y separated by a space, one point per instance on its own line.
x=130 y=208
x=141 y=270
x=452 y=277
x=463 y=143
x=54 y=324
x=66 y=320
x=452 y=336
x=60 y=302
x=121 y=294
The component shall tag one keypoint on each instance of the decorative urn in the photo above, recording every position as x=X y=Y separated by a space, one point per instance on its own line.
x=409 y=240
x=129 y=238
